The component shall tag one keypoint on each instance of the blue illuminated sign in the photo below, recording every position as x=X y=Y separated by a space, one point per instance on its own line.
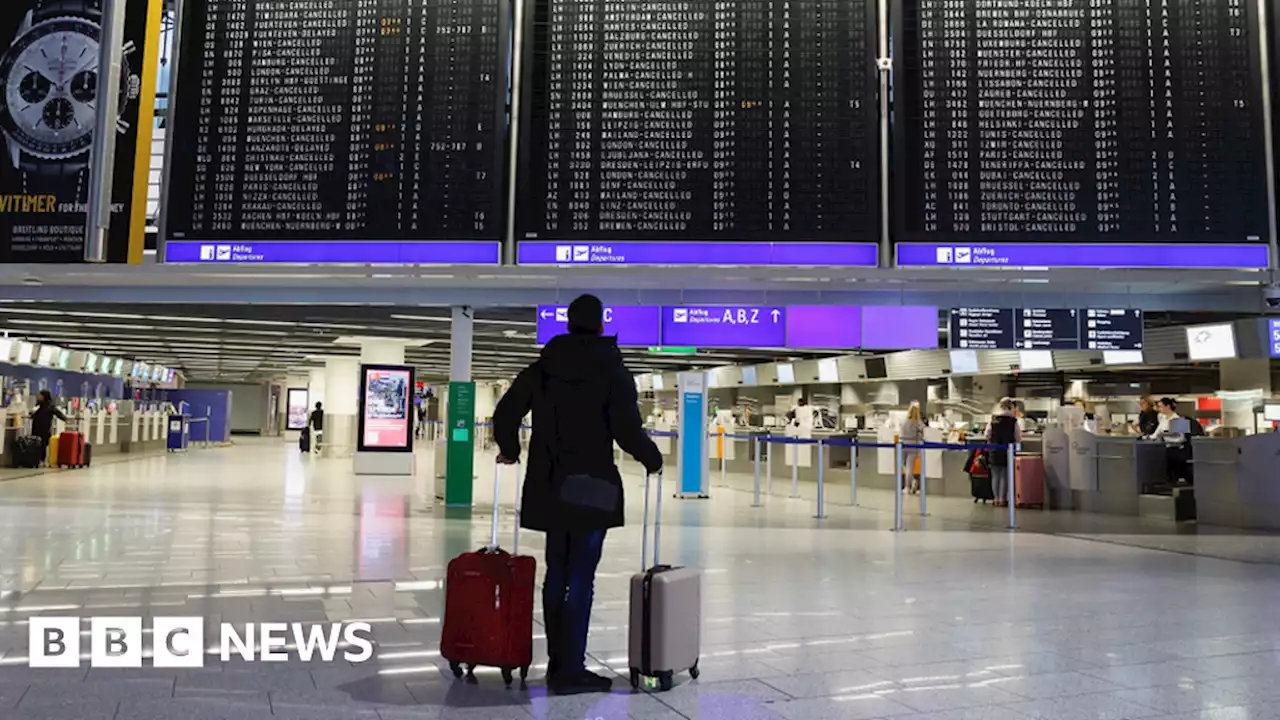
x=1274 y=334
x=334 y=253
x=786 y=254
x=1084 y=255
x=721 y=326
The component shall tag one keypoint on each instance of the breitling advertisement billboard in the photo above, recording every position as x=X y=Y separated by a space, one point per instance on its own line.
x=48 y=89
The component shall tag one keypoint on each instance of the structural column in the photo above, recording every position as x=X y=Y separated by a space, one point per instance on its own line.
x=454 y=482
x=341 y=402
x=1245 y=384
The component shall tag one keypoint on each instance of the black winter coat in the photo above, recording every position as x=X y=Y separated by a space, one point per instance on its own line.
x=583 y=400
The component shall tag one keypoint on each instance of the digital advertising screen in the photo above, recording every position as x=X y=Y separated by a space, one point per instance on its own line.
x=299 y=401
x=386 y=406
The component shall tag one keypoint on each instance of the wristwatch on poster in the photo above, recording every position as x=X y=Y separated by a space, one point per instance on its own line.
x=48 y=85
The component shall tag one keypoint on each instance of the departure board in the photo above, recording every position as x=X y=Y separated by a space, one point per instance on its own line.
x=700 y=120
x=1093 y=120
x=339 y=120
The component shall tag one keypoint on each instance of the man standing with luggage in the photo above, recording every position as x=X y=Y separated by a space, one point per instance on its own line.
x=583 y=400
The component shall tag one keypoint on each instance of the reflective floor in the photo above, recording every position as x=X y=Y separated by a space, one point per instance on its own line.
x=802 y=619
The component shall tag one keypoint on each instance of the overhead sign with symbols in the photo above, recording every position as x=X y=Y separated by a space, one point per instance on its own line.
x=634 y=325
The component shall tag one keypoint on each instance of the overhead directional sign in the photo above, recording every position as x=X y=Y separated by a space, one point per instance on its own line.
x=1046 y=329
x=634 y=325
x=1111 y=329
x=719 y=326
x=681 y=329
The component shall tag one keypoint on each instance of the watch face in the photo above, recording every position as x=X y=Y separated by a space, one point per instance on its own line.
x=50 y=83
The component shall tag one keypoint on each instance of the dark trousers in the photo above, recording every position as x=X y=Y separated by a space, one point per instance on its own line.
x=567 y=594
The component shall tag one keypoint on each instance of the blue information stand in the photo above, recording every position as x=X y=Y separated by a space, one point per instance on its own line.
x=692 y=453
x=178 y=437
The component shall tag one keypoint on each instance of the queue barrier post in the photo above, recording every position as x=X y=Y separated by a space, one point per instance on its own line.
x=795 y=470
x=924 y=485
x=759 y=447
x=853 y=476
x=1012 y=492
x=768 y=470
x=821 y=509
x=897 y=484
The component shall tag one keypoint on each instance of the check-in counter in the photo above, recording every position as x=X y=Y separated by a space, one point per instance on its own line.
x=1236 y=480
x=1106 y=474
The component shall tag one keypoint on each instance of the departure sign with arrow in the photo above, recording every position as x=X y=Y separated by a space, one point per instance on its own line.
x=725 y=326
x=635 y=325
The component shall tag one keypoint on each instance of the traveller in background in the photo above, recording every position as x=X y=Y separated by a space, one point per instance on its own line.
x=42 y=417
x=911 y=433
x=422 y=417
x=583 y=400
x=1148 y=417
x=316 y=423
x=1002 y=431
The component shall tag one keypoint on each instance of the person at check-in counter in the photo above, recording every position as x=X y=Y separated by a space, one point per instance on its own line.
x=1002 y=431
x=911 y=433
x=1148 y=417
x=1176 y=432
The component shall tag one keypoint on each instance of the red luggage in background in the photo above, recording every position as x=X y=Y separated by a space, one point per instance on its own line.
x=1028 y=483
x=488 y=612
x=70 y=449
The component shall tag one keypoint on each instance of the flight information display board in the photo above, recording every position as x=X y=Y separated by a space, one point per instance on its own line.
x=339 y=120
x=1083 y=120
x=700 y=120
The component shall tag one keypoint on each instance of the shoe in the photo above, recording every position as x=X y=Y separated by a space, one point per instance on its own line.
x=583 y=682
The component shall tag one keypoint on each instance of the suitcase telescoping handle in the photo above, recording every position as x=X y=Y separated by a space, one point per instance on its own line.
x=657 y=524
x=497 y=490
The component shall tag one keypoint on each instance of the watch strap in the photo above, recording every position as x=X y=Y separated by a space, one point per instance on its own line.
x=66 y=180
x=46 y=9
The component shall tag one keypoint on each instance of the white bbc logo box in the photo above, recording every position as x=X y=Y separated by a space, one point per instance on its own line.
x=178 y=642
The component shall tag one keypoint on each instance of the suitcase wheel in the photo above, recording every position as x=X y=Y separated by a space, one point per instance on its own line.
x=635 y=679
x=694 y=672
x=471 y=674
x=666 y=680
x=524 y=674
x=507 y=676
x=456 y=668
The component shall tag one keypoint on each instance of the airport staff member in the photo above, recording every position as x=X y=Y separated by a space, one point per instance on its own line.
x=583 y=400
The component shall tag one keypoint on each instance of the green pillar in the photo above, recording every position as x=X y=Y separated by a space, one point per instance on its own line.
x=460 y=447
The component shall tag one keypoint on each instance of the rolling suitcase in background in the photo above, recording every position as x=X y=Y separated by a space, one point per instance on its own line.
x=666 y=612
x=86 y=455
x=980 y=476
x=1028 y=480
x=70 y=445
x=488 y=613
x=28 y=452
x=51 y=457
x=304 y=440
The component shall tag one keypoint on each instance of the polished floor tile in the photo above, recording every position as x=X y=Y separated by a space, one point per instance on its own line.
x=1074 y=616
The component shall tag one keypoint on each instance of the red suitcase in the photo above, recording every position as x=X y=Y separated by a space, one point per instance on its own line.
x=1028 y=482
x=488 y=612
x=70 y=449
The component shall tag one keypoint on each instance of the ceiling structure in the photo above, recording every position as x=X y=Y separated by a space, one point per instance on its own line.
x=241 y=342
x=247 y=342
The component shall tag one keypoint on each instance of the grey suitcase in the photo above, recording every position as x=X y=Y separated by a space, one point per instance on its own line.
x=666 y=612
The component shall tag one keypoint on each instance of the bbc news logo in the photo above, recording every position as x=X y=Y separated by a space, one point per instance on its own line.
x=178 y=642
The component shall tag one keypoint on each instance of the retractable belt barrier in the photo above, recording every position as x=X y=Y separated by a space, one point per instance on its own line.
x=898 y=447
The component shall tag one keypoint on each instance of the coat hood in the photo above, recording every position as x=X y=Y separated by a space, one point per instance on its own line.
x=573 y=358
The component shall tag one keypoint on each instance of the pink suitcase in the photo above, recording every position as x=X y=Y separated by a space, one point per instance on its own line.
x=1028 y=480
